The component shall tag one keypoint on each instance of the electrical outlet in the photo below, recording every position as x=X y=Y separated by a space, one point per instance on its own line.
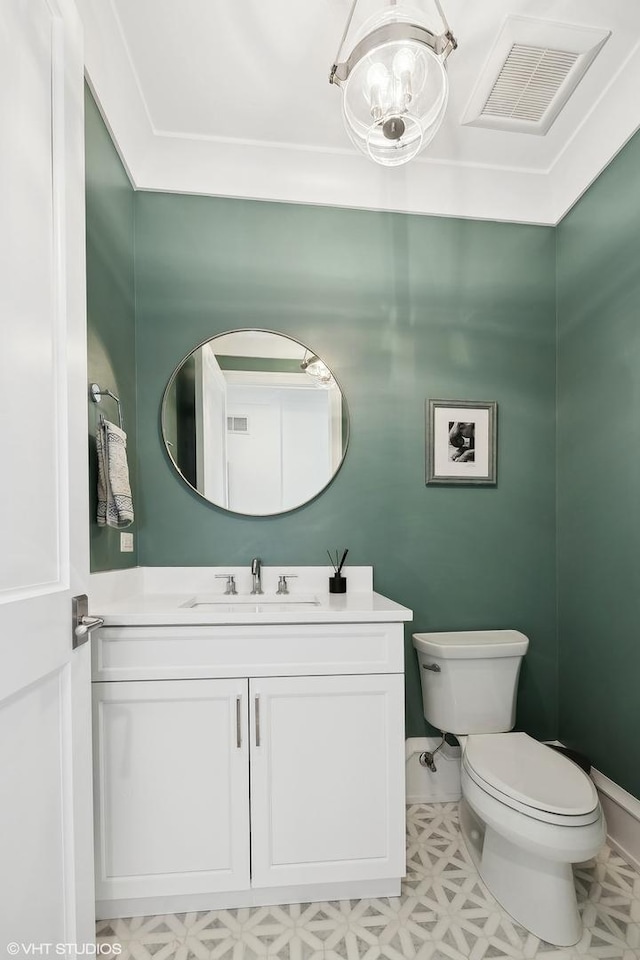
x=126 y=543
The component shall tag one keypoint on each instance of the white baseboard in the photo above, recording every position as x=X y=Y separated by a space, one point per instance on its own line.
x=423 y=786
x=254 y=897
x=622 y=813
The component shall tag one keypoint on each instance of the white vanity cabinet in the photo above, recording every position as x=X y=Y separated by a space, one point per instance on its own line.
x=171 y=787
x=327 y=785
x=238 y=765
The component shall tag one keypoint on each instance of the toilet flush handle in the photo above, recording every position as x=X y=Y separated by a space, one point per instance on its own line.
x=431 y=666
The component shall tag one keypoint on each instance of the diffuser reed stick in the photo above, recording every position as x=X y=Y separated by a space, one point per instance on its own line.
x=338 y=562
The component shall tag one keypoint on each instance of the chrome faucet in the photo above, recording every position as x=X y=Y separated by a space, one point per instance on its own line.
x=256 y=567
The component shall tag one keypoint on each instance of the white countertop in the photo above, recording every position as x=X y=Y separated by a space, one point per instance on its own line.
x=172 y=609
x=156 y=596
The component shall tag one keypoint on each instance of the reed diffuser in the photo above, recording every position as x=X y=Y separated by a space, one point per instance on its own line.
x=338 y=583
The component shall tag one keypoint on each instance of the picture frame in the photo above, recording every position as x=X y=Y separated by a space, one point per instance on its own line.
x=461 y=442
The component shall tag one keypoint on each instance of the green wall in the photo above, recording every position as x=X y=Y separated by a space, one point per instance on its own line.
x=110 y=314
x=599 y=471
x=402 y=308
x=406 y=308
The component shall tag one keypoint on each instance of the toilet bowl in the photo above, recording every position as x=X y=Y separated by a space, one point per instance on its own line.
x=531 y=814
x=527 y=812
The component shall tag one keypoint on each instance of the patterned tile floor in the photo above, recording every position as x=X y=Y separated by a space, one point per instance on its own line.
x=444 y=913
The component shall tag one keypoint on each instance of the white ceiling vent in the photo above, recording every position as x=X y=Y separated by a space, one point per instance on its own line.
x=533 y=69
x=529 y=80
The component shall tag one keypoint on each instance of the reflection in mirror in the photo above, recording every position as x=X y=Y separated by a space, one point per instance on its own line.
x=255 y=422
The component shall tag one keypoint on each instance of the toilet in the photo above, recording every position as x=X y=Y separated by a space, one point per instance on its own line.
x=527 y=812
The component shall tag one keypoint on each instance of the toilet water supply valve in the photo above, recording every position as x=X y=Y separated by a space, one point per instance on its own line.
x=426 y=758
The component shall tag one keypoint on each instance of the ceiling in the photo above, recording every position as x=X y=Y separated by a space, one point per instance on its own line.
x=232 y=99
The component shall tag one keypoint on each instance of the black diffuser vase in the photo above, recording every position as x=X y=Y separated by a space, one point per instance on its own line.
x=337 y=583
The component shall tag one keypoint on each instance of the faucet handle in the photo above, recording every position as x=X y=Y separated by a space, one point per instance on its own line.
x=230 y=589
x=283 y=587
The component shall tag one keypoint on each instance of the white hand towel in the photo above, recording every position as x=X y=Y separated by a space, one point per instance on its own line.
x=115 y=504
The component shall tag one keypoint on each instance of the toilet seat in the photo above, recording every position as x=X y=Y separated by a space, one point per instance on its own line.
x=531 y=778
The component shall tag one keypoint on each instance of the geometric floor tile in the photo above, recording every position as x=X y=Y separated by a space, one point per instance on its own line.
x=444 y=913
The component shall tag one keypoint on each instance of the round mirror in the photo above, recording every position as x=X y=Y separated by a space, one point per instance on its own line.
x=255 y=422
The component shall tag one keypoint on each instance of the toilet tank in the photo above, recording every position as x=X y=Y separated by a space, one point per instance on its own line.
x=473 y=687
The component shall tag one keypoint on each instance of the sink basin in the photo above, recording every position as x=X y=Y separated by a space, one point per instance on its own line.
x=253 y=601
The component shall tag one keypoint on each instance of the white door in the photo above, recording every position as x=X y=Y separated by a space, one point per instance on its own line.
x=171 y=788
x=327 y=779
x=255 y=454
x=46 y=859
x=306 y=463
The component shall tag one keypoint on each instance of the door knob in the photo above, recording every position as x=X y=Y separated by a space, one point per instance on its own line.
x=81 y=623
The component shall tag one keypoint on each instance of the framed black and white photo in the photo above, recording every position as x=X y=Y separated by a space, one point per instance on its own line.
x=461 y=441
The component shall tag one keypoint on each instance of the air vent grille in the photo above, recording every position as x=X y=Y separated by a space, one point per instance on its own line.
x=528 y=82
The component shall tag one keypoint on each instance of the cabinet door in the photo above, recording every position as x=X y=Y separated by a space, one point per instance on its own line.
x=171 y=787
x=327 y=779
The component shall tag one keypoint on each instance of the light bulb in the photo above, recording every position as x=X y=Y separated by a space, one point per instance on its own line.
x=404 y=60
x=378 y=85
x=404 y=64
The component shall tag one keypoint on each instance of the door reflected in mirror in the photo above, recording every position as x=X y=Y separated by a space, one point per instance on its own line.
x=255 y=422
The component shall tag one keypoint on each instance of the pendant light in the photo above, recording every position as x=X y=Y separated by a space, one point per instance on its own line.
x=316 y=368
x=394 y=82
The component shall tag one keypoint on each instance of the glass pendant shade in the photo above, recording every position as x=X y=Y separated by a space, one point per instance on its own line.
x=395 y=87
x=315 y=367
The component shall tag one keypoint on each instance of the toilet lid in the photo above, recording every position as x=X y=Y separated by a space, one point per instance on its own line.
x=531 y=773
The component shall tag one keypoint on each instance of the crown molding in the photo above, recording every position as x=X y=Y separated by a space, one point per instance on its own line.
x=616 y=118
